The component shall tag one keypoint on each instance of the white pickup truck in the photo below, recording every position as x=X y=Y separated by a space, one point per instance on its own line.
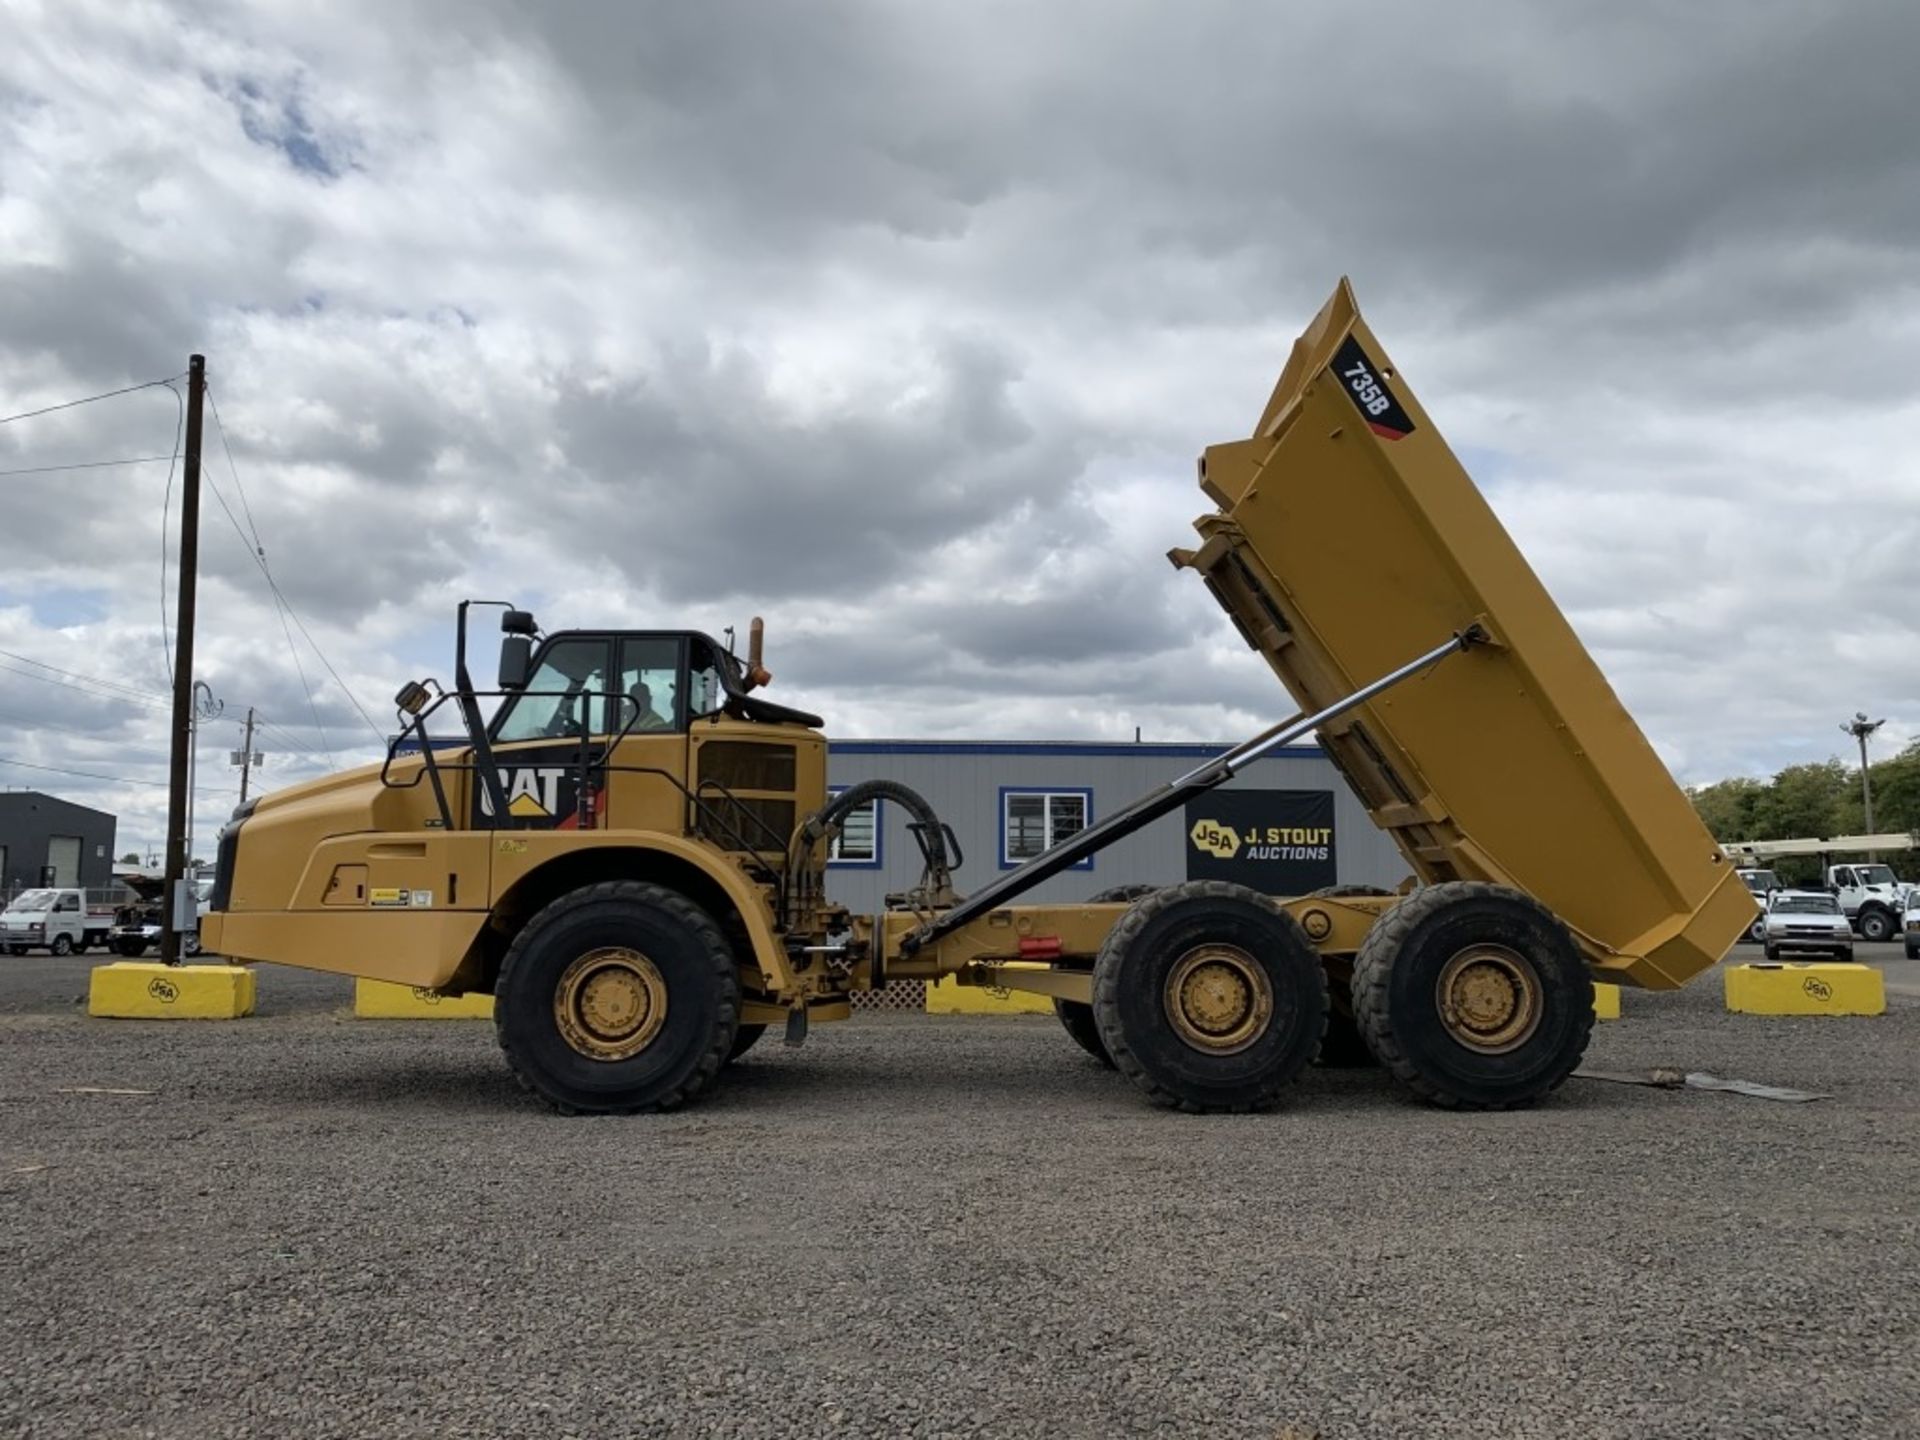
x=1871 y=898
x=58 y=920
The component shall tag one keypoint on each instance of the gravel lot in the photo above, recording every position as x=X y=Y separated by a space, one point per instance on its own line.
x=320 y=1226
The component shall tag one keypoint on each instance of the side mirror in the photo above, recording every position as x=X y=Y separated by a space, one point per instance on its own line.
x=516 y=661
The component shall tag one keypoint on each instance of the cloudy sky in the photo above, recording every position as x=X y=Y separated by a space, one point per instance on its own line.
x=901 y=324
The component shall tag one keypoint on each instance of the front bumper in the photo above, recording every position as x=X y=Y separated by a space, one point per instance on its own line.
x=1825 y=941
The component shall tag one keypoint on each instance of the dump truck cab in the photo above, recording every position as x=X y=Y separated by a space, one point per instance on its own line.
x=607 y=753
x=630 y=851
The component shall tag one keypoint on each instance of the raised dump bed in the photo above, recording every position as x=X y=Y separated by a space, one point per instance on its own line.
x=1348 y=538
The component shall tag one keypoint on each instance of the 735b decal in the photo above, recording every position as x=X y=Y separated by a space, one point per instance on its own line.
x=1362 y=380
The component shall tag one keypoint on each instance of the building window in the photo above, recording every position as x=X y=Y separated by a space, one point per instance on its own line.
x=1032 y=822
x=857 y=846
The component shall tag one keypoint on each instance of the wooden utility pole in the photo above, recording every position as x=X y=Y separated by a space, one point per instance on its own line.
x=247 y=756
x=182 y=752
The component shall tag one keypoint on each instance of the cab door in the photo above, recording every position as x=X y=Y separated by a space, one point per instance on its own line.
x=536 y=739
x=631 y=690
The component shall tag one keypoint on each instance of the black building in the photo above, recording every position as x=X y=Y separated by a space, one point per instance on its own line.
x=46 y=841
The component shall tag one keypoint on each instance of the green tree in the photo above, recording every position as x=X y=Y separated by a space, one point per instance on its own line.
x=132 y=857
x=1807 y=799
x=1896 y=795
x=1728 y=807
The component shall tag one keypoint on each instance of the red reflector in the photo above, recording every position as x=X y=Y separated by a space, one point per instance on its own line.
x=1040 y=947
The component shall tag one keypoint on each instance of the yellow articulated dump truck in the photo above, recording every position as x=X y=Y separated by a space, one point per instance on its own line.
x=629 y=851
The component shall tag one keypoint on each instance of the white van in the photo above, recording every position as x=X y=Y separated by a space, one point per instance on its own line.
x=56 y=920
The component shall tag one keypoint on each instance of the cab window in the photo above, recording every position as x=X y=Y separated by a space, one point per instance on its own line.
x=706 y=693
x=650 y=681
x=570 y=673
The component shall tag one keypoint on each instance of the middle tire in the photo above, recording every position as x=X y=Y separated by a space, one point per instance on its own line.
x=1209 y=997
x=1077 y=1018
x=1473 y=996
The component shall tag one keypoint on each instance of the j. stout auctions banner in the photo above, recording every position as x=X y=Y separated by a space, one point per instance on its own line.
x=1276 y=841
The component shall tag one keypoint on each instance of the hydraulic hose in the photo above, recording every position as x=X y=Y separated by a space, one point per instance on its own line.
x=816 y=825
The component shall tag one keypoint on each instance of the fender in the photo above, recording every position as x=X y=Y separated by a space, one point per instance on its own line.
x=524 y=857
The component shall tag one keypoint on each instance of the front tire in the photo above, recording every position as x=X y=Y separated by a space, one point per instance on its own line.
x=616 y=998
x=1876 y=926
x=1209 y=997
x=132 y=949
x=1473 y=996
x=62 y=945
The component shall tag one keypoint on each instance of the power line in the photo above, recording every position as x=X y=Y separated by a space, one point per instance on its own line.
x=244 y=506
x=32 y=725
x=260 y=559
x=89 y=465
x=166 y=499
x=84 y=690
x=90 y=679
x=112 y=779
x=85 y=400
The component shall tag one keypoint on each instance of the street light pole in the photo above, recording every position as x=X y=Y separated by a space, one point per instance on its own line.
x=1860 y=728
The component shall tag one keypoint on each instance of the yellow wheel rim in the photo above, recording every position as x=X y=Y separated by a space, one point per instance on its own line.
x=610 y=1003
x=1218 y=999
x=1490 y=999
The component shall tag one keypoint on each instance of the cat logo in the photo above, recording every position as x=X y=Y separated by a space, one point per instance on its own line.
x=1217 y=840
x=533 y=793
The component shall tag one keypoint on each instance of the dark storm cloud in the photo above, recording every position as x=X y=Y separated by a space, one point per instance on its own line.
x=695 y=483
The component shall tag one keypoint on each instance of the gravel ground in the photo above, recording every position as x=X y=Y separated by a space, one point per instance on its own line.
x=327 y=1227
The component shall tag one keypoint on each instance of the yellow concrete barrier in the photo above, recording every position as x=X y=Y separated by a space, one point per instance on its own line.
x=948 y=996
x=1606 y=1002
x=148 y=990
x=1767 y=988
x=381 y=1000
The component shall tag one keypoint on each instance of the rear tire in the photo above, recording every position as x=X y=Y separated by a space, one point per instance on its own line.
x=1343 y=1047
x=617 y=998
x=1876 y=926
x=1077 y=1020
x=744 y=1039
x=1209 y=997
x=1473 y=996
